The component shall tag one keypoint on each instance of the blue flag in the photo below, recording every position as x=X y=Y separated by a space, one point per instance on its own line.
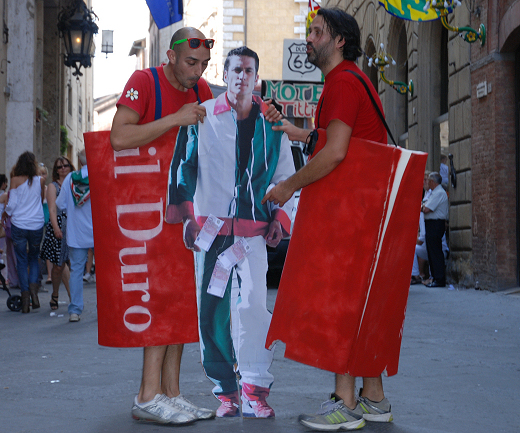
x=165 y=12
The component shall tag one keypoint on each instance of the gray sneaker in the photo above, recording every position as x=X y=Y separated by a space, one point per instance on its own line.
x=160 y=411
x=375 y=411
x=200 y=413
x=334 y=415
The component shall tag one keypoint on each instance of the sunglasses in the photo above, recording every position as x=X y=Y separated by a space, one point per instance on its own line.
x=196 y=42
x=59 y=167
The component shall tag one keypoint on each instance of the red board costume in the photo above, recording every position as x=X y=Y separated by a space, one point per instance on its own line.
x=342 y=296
x=145 y=285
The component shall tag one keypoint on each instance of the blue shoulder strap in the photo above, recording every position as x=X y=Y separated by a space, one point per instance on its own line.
x=158 y=100
x=196 y=89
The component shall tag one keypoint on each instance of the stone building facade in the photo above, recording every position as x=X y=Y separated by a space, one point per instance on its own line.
x=38 y=94
x=483 y=129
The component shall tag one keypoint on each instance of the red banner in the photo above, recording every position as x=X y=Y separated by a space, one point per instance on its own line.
x=345 y=282
x=144 y=274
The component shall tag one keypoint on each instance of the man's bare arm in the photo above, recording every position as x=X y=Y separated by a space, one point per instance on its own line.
x=425 y=210
x=326 y=160
x=127 y=134
x=293 y=132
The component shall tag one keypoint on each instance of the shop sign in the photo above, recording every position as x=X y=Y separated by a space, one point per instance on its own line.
x=296 y=99
x=296 y=67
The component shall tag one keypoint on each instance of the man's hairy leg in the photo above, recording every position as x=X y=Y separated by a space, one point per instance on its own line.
x=171 y=369
x=373 y=388
x=346 y=389
x=153 y=360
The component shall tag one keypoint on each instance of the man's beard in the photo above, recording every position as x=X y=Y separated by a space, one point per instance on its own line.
x=320 y=57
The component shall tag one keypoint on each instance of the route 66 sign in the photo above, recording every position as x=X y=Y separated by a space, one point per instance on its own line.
x=296 y=67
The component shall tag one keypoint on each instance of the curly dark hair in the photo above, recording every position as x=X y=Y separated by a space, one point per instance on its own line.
x=340 y=23
x=62 y=160
x=3 y=179
x=26 y=166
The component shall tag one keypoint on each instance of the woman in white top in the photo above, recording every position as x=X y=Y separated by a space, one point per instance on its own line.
x=26 y=212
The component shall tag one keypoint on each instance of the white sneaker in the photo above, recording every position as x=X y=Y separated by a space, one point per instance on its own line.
x=74 y=317
x=159 y=410
x=200 y=412
x=89 y=278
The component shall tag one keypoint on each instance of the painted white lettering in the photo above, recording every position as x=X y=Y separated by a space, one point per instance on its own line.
x=137 y=327
x=132 y=287
x=142 y=234
x=127 y=269
x=133 y=169
x=126 y=152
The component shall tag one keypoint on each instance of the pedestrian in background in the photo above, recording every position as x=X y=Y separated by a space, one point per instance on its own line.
x=12 y=276
x=27 y=219
x=89 y=276
x=44 y=264
x=3 y=201
x=435 y=211
x=444 y=171
x=54 y=247
x=74 y=199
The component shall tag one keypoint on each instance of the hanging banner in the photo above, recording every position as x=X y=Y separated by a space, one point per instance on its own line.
x=349 y=262
x=411 y=10
x=311 y=14
x=298 y=100
x=165 y=12
x=145 y=276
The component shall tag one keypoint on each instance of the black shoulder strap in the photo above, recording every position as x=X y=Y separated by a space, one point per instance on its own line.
x=373 y=102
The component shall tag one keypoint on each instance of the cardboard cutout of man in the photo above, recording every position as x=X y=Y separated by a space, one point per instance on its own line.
x=230 y=161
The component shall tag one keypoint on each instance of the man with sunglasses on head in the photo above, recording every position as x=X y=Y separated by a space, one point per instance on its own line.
x=137 y=123
x=229 y=162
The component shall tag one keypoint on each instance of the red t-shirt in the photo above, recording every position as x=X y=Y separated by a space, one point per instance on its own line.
x=346 y=99
x=139 y=95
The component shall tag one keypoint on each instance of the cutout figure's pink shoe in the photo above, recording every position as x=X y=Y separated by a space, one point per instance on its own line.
x=253 y=402
x=228 y=406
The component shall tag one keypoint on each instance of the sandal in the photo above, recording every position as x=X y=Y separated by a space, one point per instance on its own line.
x=54 y=302
x=416 y=280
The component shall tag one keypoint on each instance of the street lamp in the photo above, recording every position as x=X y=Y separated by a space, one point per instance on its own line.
x=382 y=60
x=77 y=28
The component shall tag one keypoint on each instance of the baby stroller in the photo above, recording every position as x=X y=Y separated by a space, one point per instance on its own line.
x=14 y=303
